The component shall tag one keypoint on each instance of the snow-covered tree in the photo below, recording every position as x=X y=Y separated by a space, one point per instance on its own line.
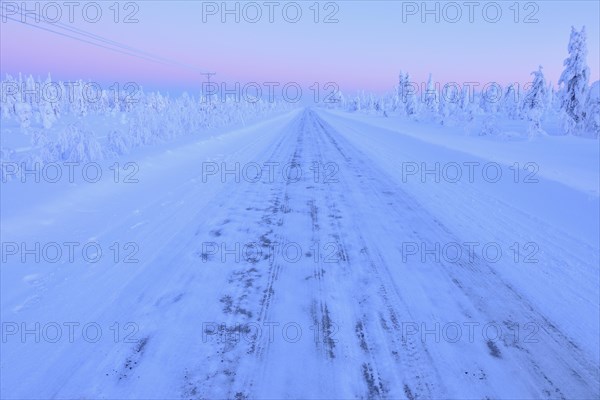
x=355 y=105
x=46 y=108
x=118 y=143
x=8 y=101
x=407 y=95
x=534 y=103
x=574 y=83
x=593 y=110
x=47 y=113
x=491 y=98
x=510 y=102
x=24 y=115
x=30 y=92
x=399 y=103
x=550 y=96
x=31 y=103
x=431 y=98
x=336 y=99
x=489 y=102
x=77 y=144
x=449 y=102
x=467 y=104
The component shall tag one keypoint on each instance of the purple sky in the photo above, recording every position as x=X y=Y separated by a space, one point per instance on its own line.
x=365 y=49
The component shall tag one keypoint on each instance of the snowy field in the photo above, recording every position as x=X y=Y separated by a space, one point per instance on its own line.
x=342 y=270
x=408 y=244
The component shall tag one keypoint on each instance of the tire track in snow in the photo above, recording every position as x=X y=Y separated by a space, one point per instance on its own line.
x=477 y=280
x=251 y=300
x=295 y=199
x=405 y=355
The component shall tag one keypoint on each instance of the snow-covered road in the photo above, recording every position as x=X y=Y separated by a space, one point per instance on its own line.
x=334 y=273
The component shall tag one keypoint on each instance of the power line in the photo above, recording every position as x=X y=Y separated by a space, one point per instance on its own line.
x=117 y=44
x=124 y=49
x=79 y=39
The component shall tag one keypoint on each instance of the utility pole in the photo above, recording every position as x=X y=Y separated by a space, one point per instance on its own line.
x=208 y=75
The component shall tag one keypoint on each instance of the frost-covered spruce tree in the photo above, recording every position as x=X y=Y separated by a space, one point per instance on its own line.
x=45 y=106
x=535 y=102
x=377 y=105
x=395 y=102
x=104 y=107
x=489 y=103
x=46 y=150
x=339 y=99
x=47 y=113
x=431 y=98
x=370 y=106
x=550 y=94
x=554 y=100
x=449 y=98
x=335 y=100
x=24 y=115
x=593 y=110
x=118 y=143
x=399 y=103
x=9 y=98
x=51 y=100
x=510 y=102
x=363 y=100
x=407 y=96
x=491 y=98
x=78 y=145
x=79 y=104
x=355 y=105
x=574 y=83
x=31 y=92
x=464 y=102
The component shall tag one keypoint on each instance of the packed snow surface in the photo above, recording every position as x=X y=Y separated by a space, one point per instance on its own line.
x=314 y=254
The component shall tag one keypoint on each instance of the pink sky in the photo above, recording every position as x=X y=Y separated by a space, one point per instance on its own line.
x=365 y=50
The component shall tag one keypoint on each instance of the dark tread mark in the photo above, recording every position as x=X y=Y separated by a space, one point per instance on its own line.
x=494 y=350
x=360 y=334
x=376 y=389
x=216 y=232
x=409 y=394
x=134 y=359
